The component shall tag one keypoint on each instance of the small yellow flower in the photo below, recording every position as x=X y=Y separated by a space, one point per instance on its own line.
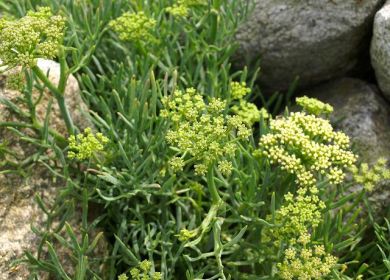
x=134 y=27
x=123 y=277
x=176 y=164
x=249 y=113
x=37 y=35
x=201 y=130
x=84 y=146
x=225 y=167
x=371 y=177
x=186 y=235
x=314 y=106
x=307 y=146
x=239 y=90
x=183 y=7
x=178 y=10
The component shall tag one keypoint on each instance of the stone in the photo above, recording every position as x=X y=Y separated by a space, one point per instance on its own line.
x=363 y=114
x=18 y=208
x=315 y=40
x=380 y=49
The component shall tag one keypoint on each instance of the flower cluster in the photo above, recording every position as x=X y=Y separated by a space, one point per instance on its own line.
x=307 y=146
x=142 y=272
x=296 y=218
x=134 y=27
x=314 y=106
x=371 y=177
x=297 y=215
x=249 y=113
x=182 y=7
x=186 y=235
x=201 y=130
x=83 y=146
x=239 y=90
x=37 y=35
x=306 y=261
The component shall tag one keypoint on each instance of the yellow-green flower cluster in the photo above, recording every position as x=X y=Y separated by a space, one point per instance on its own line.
x=186 y=235
x=142 y=272
x=314 y=106
x=134 y=27
x=306 y=146
x=183 y=7
x=306 y=261
x=248 y=112
x=202 y=131
x=84 y=146
x=238 y=90
x=371 y=177
x=37 y=35
x=297 y=215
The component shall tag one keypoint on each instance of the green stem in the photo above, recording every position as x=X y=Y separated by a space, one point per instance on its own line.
x=65 y=114
x=36 y=126
x=64 y=74
x=58 y=95
x=211 y=184
x=45 y=80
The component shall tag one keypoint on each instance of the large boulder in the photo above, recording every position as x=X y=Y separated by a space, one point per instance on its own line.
x=380 y=49
x=363 y=114
x=18 y=208
x=315 y=40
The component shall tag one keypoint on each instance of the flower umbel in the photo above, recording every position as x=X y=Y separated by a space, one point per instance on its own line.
x=314 y=106
x=306 y=262
x=37 y=35
x=183 y=7
x=371 y=177
x=239 y=90
x=84 y=146
x=307 y=146
x=202 y=131
x=249 y=113
x=142 y=272
x=134 y=27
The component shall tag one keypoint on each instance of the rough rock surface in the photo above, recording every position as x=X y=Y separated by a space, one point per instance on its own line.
x=363 y=114
x=316 y=40
x=380 y=49
x=18 y=209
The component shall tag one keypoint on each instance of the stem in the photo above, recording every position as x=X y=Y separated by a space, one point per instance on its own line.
x=211 y=184
x=63 y=71
x=58 y=95
x=65 y=114
x=38 y=127
x=45 y=80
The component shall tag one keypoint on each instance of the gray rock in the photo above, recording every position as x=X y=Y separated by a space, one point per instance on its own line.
x=315 y=40
x=363 y=114
x=18 y=209
x=380 y=49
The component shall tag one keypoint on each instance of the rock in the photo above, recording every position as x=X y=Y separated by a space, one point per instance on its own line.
x=380 y=49
x=363 y=114
x=18 y=209
x=315 y=40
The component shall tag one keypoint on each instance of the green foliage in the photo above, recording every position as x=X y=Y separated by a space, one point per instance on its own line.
x=195 y=181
